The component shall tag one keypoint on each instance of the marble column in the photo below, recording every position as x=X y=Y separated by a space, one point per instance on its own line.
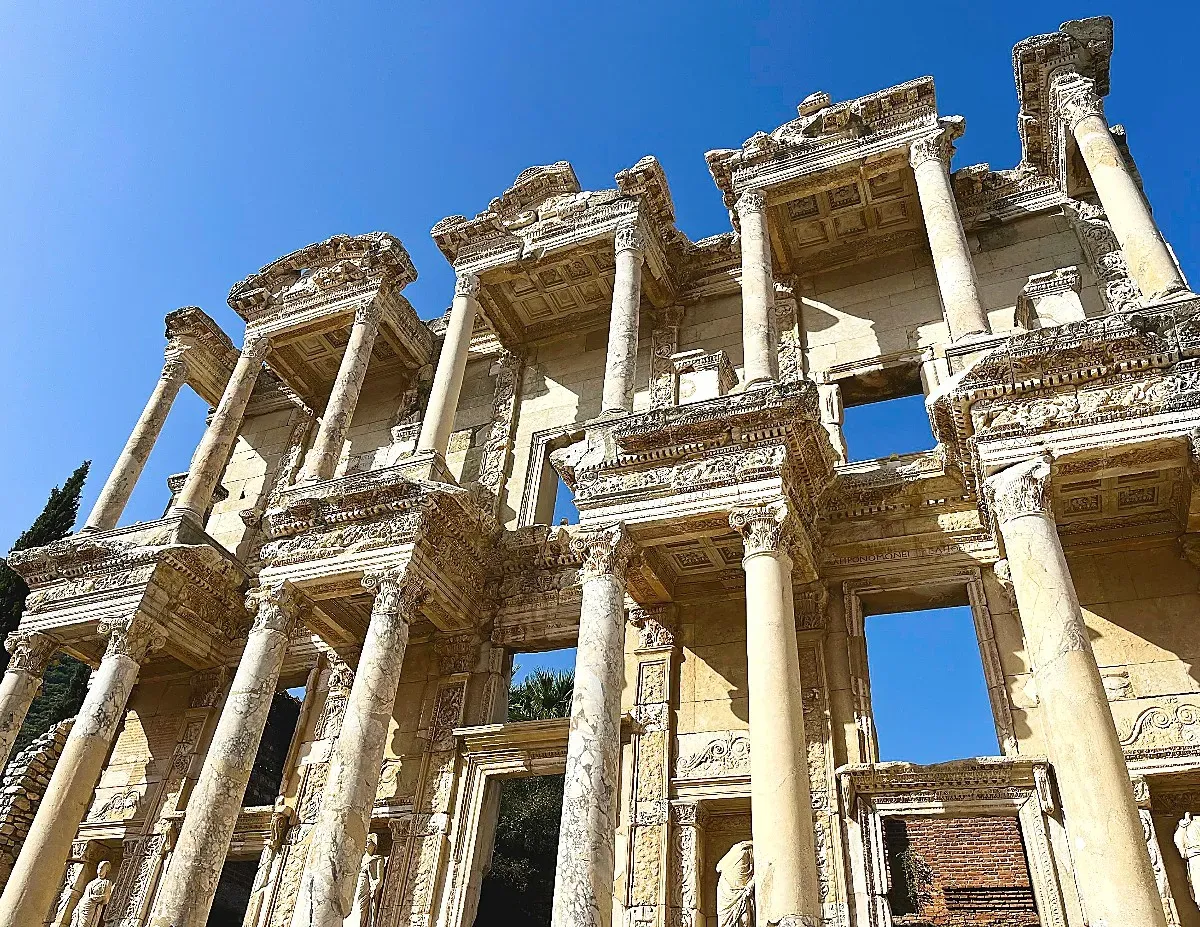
x=1150 y=261
x=952 y=264
x=340 y=834
x=760 y=361
x=212 y=454
x=30 y=654
x=583 y=883
x=620 y=365
x=35 y=879
x=451 y=366
x=786 y=888
x=106 y=513
x=323 y=457
x=1108 y=849
x=186 y=893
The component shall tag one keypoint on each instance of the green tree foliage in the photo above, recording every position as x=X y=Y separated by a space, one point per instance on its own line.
x=519 y=887
x=66 y=678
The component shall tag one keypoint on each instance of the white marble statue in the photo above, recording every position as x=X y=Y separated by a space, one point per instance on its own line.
x=1187 y=839
x=735 y=886
x=366 y=889
x=95 y=898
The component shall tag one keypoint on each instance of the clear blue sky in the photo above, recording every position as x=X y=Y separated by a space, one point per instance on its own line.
x=153 y=154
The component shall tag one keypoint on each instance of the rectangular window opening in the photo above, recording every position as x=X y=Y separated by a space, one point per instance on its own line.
x=885 y=413
x=266 y=776
x=233 y=892
x=542 y=684
x=929 y=695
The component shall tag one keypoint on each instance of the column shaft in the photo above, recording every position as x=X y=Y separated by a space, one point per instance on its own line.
x=340 y=835
x=781 y=817
x=186 y=893
x=106 y=513
x=34 y=883
x=620 y=365
x=212 y=454
x=1146 y=253
x=339 y=411
x=1108 y=849
x=31 y=652
x=583 y=885
x=760 y=352
x=451 y=366
x=952 y=264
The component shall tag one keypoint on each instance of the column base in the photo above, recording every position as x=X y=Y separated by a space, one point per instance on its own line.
x=966 y=349
x=426 y=465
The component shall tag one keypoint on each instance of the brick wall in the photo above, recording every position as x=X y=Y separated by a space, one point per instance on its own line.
x=958 y=872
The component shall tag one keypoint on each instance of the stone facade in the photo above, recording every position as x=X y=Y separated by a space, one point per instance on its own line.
x=367 y=516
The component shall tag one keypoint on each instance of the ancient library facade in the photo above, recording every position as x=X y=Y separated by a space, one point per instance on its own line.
x=368 y=517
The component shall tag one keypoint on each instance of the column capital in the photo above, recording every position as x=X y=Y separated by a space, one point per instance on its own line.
x=1077 y=99
x=396 y=592
x=1022 y=489
x=938 y=145
x=749 y=203
x=255 y=346
x=276 y=606
x=606 y=552
x=764 y=528
x=174 y=366
x=466 y=284
x=134 y=636
x=31 y=651
x=369 y=313
x=628 y=237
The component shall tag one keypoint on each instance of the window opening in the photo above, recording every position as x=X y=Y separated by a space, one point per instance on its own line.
x=890 y=426
x=541 y=685
x=266 y=775
x=233 y=892
x=929 y=695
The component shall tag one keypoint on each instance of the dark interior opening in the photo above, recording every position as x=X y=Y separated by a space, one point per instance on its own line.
x=267 y=773
x=233 y=893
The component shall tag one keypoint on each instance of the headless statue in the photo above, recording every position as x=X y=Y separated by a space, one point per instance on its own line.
x=366 y=889
x=735 y=886
x=1187 y=840
x=95 y=898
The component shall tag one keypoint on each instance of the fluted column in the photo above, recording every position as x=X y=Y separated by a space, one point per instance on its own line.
x=186 y=893
x=340 y=834
x=1108 y=850
x=106 y=513
x=451 y=366
x=583 y=884
x=339 y=411
x=33 y=885
x=30 y=652
x=212 y=454
x=786 y=888
x=1146 y=253
x=620 y=365
x=760 y=353
x=952 y=264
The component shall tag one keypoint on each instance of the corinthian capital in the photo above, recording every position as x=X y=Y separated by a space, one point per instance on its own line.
x=1077 y=101
x=750 y=203
x=255 y=346
x=763 y=528
x=31 y=651
x=276 y=607
x=133 y=636
x=466 y=284
x=369 y=313
x=397 y=594
x=1022 y=489
x=606 y=552
x=628 y=237
x=174 y=366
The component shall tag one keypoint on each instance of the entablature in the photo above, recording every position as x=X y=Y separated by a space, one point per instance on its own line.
x=207 y=353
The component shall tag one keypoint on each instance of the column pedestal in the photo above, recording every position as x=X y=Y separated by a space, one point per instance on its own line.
x=583 y=885
x=30 y=654
x=620 y=365
x=786 y=887
x=340 y=835
x=760 y=361
x=34 y=883
x=1108 y=849
x=186 y=893
x=451 y=366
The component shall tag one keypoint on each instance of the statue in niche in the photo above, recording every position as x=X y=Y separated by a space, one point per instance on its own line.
x=735 y=886
x=96 y=895
x=1187 y=839
x=366 y=889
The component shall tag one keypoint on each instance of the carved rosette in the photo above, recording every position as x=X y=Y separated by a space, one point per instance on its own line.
x=133 y=636
x=1022 y=489
x=30 y=651
x=1077 y=102
x=750 y=203
x=628 y=237
x=937 y=146
x=369 y=313
x=276 y=607
x=606 y=552
x=466 y=284
x=764 y=528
